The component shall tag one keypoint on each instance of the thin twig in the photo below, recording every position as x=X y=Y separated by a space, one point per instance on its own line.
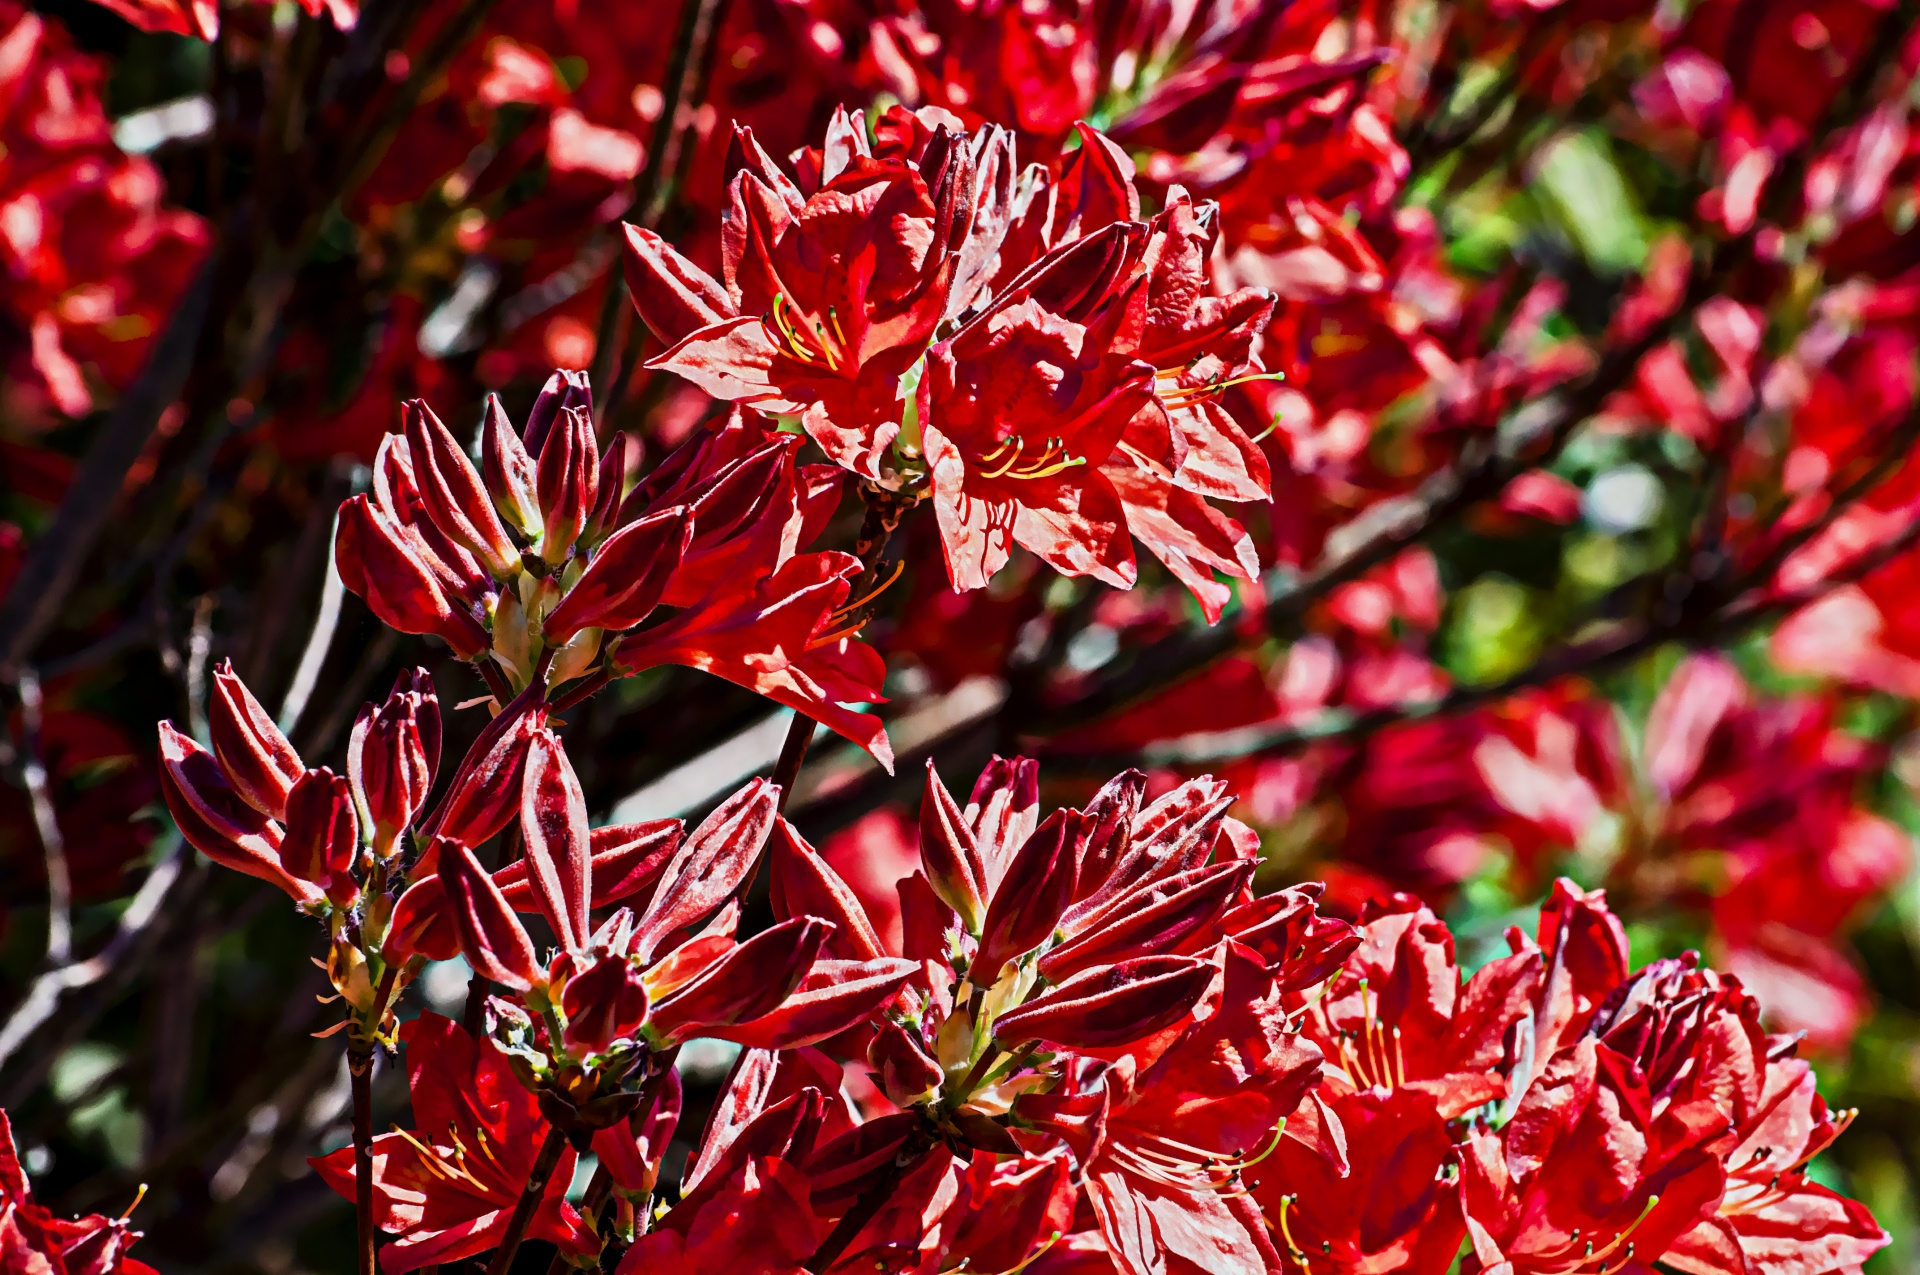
x=530 y=1196
x=848 y=1229
x=199 y=647
x=53 y=563
x=360 y=1068
x=46 y=821
x=43 y=999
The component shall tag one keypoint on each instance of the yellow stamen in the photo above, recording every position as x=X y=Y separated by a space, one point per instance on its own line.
x=826 y=347
x=838 y=334
x=1194 y=393
x=138 y=1195
x=874 y=592
x=1011 y=461
x=785 y=326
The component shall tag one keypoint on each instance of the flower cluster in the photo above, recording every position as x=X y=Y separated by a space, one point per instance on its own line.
x=1019 y=345
x=1437 y=452
x=1095 y=1047
x=539 y=562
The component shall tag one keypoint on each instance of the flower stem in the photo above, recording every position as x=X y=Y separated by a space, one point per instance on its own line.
x=870 y=1202
x=529 y=1201
x=884 y=509
x=360 y=1070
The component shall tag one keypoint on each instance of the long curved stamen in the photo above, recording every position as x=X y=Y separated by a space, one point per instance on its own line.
x=872 y=593
x=1011 y=460
x=140 y=1193
x=434 y=1158
x=828 y=639
x=1049 y=462
x=1050 y=470
x=1037 y=1254
x=786 y=329
x=1286 y=1232
x=1195 y=393
x=838 y=334
x=826 y=346
x=1591 y=1255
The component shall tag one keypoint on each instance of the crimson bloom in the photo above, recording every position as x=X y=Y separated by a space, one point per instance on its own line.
x=833 y=284
x=1392 y=1206
x=447 y=1187
x=33 y=1239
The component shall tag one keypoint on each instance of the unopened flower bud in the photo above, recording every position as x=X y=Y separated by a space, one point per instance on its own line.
x=216 y=822
x=391 y=758
x=569 y=483
x=452 y=493
x=258 y=760
x=323 y=834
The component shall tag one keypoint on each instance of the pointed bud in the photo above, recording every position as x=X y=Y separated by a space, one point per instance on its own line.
x=710 y=864
x=216 y=822
x=604 y=1003
x=491 y=936
x=1033 y=895
x=259 y=762
x=484 y=794
x=452 y=493
x=1155 y=918
x=1113 y=811
x=672 y=296
x=569 y=483
x=391 y=757
x=1112 y=1005
x=377 y=562
x=627 y=858
x=553 y=826
x=950 y=854
x=907 y=1072
x=564 y=389
x=1003 y=811
x=803 y=885
x=611 y=485
x=508 y=470
x=422 y=924
x=623 y=583
x=323 y=835
x=834 y=996
x=747 y=982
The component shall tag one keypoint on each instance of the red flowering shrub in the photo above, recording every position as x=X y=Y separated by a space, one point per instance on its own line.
x=1338 y=475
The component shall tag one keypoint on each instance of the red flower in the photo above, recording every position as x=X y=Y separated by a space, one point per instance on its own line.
x=1396 y=1015
x=830 y=295
x=1019 y=411
x=1696 y=1035
x=1163 y=1174
x=1589 y=1160
x=1393 y=1207
x=448 y=1186
x=33 y=1240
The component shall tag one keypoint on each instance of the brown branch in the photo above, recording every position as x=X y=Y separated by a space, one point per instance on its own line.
x=530 y=1196
x=46 y=822
x=43 y=999
x=360 y=1069
x=53 y=563
x=848 y=1229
